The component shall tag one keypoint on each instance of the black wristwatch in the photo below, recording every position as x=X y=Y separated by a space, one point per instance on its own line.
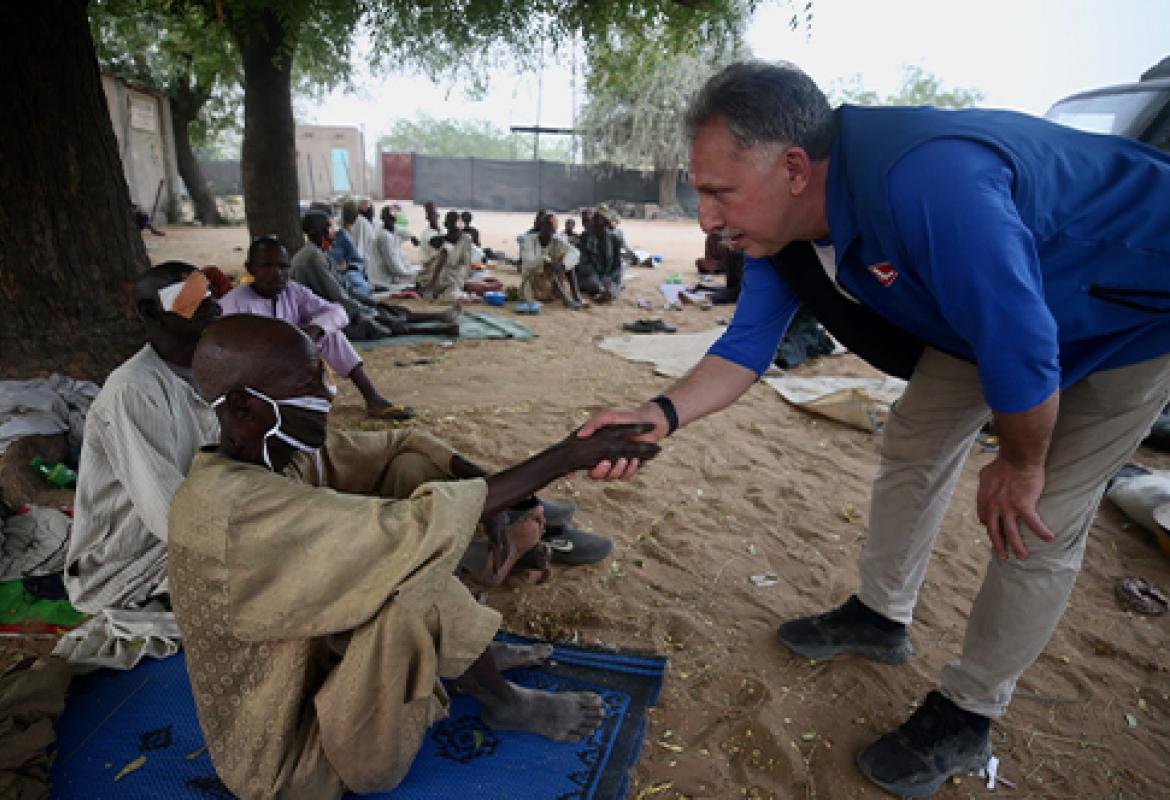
x=668 y=410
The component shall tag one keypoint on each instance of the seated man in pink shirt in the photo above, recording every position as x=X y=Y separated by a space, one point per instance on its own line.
x=272 y=294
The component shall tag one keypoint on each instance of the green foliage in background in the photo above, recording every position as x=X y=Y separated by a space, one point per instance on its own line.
x=433 y=136
x=919 y=88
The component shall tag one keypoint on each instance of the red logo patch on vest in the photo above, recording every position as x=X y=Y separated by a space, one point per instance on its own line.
x=884 y=272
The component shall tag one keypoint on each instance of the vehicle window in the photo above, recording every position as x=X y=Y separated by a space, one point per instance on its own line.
x=1124 y=113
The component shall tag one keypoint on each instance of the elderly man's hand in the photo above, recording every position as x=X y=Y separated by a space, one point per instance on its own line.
x=1008 y=494
x=610 y=446
x=653 y=424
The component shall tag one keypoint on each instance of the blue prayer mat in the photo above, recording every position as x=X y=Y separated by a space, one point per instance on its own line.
x=141 y=724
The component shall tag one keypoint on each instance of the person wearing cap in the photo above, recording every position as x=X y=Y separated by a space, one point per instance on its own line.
x=615 y=227
x=599 y=272
x=140 y=435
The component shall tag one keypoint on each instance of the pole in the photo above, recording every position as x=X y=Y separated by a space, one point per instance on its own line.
x=539 y=98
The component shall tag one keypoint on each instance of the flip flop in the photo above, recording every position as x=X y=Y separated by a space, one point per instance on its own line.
x=649 y=326
x=393 y=413
x=1141 y=596
x=528 y=308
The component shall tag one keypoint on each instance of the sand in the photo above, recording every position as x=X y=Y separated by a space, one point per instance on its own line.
x=763 y=487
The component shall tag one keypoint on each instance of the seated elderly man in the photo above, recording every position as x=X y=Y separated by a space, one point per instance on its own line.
x=547 y=256
x=140 y=436
x=315 y=592
x=599 y=273
x=368 y=319
x=443 y=276
x=272 y=294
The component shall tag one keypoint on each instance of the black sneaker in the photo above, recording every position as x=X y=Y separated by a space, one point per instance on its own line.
x=574 y=547
x=853 y=629
x=919 y=756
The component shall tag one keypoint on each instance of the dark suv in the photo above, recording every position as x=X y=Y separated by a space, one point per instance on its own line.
x=1139 y=110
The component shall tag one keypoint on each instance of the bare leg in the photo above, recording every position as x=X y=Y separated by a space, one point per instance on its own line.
x=574 y=290
x=375 y=402
x=559 y=287
x=560 y=716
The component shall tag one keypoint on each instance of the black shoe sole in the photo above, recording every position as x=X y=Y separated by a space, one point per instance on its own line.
x=976 y=763
x=882 y=655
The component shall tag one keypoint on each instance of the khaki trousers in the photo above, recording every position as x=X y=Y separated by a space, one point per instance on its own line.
x=1102 y=419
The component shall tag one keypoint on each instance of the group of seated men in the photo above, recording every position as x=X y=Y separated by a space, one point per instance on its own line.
x=569 y=265
x=311 y=571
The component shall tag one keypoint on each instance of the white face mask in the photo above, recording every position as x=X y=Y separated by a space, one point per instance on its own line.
x=309 y=403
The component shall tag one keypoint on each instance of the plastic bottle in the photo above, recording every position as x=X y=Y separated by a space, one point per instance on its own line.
x=57 y=474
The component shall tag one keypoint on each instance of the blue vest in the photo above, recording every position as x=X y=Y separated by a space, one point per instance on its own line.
x=1098 y=208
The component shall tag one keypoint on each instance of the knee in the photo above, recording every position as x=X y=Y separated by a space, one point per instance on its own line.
x=408 y=471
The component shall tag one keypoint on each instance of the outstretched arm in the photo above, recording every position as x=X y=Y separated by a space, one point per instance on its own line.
x=610 y=443
x=712 y=385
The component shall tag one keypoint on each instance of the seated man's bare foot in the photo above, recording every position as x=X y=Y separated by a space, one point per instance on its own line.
x=511 y=656
x=560 y=716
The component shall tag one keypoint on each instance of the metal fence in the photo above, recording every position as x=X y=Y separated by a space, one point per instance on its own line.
x=528 y=185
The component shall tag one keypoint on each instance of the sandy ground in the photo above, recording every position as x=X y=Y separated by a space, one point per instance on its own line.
x=760 y=488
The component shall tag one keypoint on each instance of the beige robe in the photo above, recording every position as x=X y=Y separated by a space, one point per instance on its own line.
x=536 y=260
x=318 y=619
x=454 y=271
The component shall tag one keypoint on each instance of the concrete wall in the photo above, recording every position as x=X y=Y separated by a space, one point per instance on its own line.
x=323 y=173
x=146 y=141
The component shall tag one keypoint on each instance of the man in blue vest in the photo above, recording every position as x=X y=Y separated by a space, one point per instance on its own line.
x=1012 y=269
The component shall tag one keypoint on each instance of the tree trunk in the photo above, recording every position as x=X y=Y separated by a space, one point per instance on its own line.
x=667 y=187
x=271 y=198
x=205 y=211
x=69 y=248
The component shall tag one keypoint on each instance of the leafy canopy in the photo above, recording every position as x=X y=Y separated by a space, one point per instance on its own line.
x=638 y=89
x=919 y=87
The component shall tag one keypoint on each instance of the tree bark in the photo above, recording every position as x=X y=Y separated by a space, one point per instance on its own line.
x=69 y=248
x=667 y=187
x=182 y=116
x=269 y=164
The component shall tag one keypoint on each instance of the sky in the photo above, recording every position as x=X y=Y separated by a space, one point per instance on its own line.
x=1021 y=54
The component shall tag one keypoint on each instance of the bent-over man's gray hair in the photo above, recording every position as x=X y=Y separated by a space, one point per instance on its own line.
x=765 y=103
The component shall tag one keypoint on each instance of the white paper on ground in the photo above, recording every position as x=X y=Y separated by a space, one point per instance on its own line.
x=863 y=403
x=672 y=355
